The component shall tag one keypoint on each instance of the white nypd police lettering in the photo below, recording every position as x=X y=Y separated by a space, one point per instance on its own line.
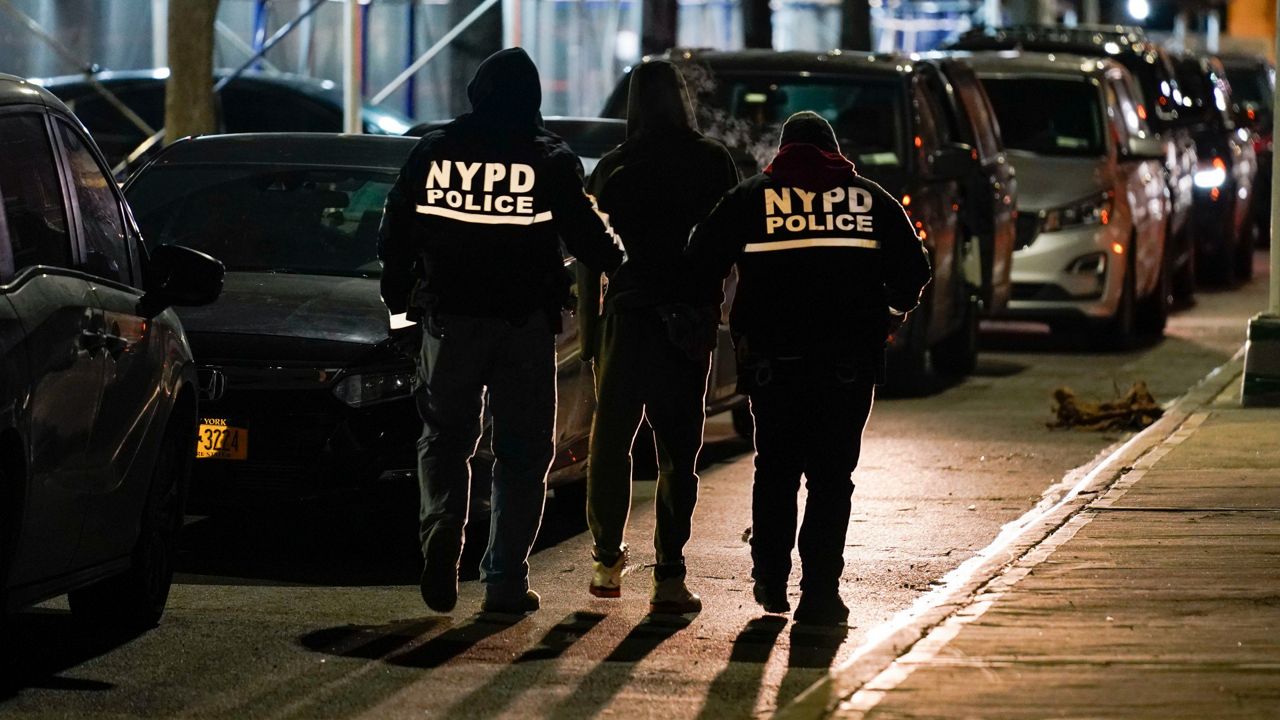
x=487 y=193
x=839 y=217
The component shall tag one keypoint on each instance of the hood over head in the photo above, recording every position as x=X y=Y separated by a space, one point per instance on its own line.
x=506 y=89
x=658 y=102
x=810 y=128
x=809 y=155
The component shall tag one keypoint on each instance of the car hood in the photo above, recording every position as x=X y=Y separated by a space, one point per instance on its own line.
x=1046 y=182
x=325 y=309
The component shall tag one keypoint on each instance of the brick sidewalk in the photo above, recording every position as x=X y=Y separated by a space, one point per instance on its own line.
x=1160 y=599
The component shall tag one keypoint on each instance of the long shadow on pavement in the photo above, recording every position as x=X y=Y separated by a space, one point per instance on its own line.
x=495 y=696
x=607 y=678
x=737 y=686
x=40 y=645
x=813 y=649
x=393 y=643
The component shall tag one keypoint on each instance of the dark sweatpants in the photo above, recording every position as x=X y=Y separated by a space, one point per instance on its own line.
x=517 y=364
x=813 y=430
x=640 y=373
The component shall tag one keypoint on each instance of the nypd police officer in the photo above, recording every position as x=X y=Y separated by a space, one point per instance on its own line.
x=470 y=246
x=828 y=263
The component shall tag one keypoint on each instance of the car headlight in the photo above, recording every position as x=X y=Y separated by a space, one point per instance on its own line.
x=1090 y=211
x=1211 y=174
x=362 y=390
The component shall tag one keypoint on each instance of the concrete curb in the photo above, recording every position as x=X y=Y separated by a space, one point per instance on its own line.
x=968 y=581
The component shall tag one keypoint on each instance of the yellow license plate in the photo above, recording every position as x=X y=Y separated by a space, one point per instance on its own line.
x=220 y=441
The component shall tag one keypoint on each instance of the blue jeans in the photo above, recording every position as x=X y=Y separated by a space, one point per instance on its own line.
x=461 y=358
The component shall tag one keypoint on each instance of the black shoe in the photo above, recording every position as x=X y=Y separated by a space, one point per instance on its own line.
x=514 y=605
x=773 y=598
x=439 y=581
x=828 y=610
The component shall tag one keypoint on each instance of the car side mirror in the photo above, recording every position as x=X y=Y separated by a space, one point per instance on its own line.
x=1142 y=148
x=951 y=162
x=177 y=275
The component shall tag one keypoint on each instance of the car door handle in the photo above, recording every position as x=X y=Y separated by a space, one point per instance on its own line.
x=95 y=340
x=92 y=340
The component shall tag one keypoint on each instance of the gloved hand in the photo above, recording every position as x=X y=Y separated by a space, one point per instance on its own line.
x=407 y=340
x=896 y=322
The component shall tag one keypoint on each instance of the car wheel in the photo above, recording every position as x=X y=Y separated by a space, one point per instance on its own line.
x=1121 y=329
x=1184 y=279
x=1153 y=312
x=1220 y=267
x=743 y=423
x=957 y=355
x=8 y=657
x=135 y=599
x=1244 y=252
x=907 y=370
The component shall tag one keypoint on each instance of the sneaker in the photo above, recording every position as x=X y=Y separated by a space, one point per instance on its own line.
x=529 y=602
x=773 y=598
x=821 y=610
x=606 y=580
x=439 y=580
x=672 y=597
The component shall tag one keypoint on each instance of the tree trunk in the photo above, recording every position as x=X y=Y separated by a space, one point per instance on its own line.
x=757 y=24
x=657 y=26
x=855 y=26
x=482 y=39
x=189 y=106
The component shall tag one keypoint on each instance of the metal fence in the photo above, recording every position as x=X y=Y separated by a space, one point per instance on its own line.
x=581 y=46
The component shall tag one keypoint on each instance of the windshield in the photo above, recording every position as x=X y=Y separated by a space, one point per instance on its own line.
x=1047 y=116
x=318 y=221
x=747 y=112
x=1155 y=81
x=1249 y=84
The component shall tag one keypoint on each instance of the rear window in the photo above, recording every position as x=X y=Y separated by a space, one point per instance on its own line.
x=1048 y=116
x=316 y=221
x=868 y=114
x=1251 y=84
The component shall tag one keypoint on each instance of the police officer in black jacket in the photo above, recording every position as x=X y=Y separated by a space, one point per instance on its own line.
x=652 y=346
x=470 y=245
x=827 y=263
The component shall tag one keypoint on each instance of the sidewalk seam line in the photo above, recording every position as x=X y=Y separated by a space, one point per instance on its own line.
x=1183 y=415
x=939 y=636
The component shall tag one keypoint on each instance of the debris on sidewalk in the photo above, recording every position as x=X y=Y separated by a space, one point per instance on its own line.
x=1134 y=411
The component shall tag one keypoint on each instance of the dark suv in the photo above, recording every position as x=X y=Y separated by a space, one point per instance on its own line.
x=1253 y=89
x=1224 y=179
x=892 y=116
x=1152 y=68
x=97 y=384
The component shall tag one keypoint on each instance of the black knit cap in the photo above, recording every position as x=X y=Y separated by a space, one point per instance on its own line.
x=810 y=128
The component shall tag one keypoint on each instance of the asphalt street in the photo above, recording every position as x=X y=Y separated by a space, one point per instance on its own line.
x=311 y=609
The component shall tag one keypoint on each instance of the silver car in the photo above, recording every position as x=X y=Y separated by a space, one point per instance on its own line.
x=1093 y=202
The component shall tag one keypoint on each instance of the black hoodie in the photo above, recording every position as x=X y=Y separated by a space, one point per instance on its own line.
x=654 y=188
x=822 y=254
x=481 y=205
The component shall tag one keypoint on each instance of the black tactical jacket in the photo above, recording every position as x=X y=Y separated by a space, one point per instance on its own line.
x=822 y=255
x=478 y=212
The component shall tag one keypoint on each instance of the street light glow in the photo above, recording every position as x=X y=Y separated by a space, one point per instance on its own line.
x=1139 y=9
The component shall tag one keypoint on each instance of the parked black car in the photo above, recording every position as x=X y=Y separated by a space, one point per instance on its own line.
x=1152 y=68
x=1253 y=88
x=303 y=387
x=97 y=383
x=991 y=192
x=1224 y=178
x=891 y=116
x=253 y=102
